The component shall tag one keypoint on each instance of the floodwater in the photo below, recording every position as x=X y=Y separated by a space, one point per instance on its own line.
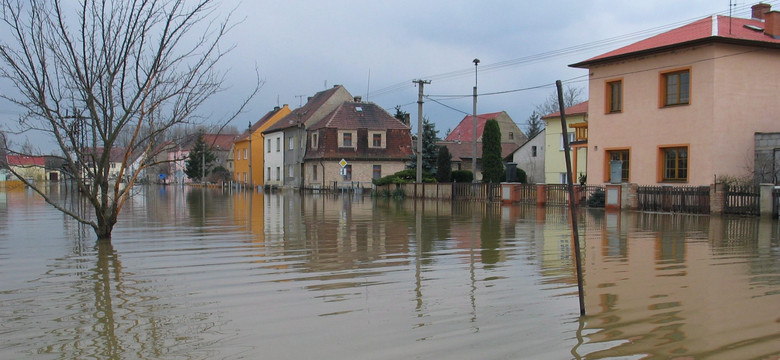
x=231 y=275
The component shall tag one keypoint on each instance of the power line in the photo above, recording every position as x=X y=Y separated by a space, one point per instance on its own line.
x=572 y=50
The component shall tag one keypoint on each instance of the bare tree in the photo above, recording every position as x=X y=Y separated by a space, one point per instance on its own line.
x=571 y=96
x=110 y=77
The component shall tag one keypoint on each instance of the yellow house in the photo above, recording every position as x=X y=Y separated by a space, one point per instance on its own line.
x=248 y=165
x=554 y=156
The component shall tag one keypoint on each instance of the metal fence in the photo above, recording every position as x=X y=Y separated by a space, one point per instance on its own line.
x=557 y=194
x=479 y=191
x=527 y=193
x=776 y=202
x=680 y=199
x=742 y=200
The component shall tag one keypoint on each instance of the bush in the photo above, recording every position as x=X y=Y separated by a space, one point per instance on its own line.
x=462 y=176
x=403 y=177
x=521 y=176
x=597 y=199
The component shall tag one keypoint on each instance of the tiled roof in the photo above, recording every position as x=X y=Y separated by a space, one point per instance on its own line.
x=220 y=141
x=359 y=115
x=710 y=29
x=577 y=109
x=302 y=114
x=465 y=150
x=21 y=160
x=260 y=123
x=465 y=129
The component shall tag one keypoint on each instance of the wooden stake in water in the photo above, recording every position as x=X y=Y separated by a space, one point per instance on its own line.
x=570 y=187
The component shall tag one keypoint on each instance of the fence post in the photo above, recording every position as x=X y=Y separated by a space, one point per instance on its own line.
x=629 y=196
x=717 y=198
x=766 y=200
x=541 y=194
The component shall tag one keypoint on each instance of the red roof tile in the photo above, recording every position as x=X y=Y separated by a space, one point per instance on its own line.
x=711 y=29
x=304 y=113
x=21 y=160
x=577 y=109
x=219 y=141
x=465 y=129
x=359 y=115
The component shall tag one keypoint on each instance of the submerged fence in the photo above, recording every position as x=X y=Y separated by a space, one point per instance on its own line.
x=742 y=200
x=683 y=199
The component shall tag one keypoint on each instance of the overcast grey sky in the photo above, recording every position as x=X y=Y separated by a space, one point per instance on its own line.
x=376 y=48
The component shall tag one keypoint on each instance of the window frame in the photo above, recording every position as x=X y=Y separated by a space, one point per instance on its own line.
x=626 y=169
x=571 y=140
x=662 y=164
x=314 y=172
x=348 y=172
x=291 y=143
x=609 y=96
x=377 y=171
x=314 y=140
x=269 y=146
x=279 y=144
x=663 y=88
x=343 y=136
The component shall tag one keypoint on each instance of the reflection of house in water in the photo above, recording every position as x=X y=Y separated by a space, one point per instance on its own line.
x=674 y=291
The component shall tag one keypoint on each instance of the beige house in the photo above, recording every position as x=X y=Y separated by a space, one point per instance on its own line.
x=683 y=107
x=28 y=167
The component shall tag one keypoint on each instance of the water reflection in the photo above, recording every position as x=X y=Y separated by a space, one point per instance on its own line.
x=205 y=273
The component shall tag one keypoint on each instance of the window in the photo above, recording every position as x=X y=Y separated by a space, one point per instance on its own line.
x=377 y=171
x=278 y=171
x=571 y=139
x=348 y=173
x=269 y=147
x=269 y=170
x=377 y=140
x=291 y=143
x=533 y=151
x=278 y=144
x=290 y=171
x=245 y=153
x=245 y=177
x=614 y=98
x=674 y=163
x=314 y=172
x=314 y=141
x=622 y=155
x=675 y=87
x=563 y=178
x=346 y=139
x=511 y=135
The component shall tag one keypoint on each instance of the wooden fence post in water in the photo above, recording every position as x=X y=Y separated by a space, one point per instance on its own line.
x=570 y=186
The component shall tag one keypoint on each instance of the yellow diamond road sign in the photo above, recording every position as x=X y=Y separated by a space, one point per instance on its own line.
x=343 y=163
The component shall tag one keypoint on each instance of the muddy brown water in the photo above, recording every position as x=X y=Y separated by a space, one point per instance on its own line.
x=230 y=275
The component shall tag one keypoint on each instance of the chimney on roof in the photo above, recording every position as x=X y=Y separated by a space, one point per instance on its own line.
x=276 y=108
x=759 y=10
x=772 y=24
x=358 y=99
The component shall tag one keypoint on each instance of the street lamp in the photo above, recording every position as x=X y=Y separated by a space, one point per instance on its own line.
x=474 y=120
x=249 y=131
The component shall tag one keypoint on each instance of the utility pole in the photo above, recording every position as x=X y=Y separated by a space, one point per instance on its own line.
x=570 y=187
x=474 y=120
x=421 y=83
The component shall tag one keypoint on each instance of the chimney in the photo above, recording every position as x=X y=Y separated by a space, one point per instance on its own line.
x=277 y=108
x=772 y=24
x=759 y=10
x=358 y=99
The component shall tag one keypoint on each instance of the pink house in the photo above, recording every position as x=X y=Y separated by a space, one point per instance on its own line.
x=685 y=106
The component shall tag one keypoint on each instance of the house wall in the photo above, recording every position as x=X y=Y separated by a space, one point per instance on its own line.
x=293 y=157
x=554 y=156
x=328 y=172
x=730 y=99
x=510 y=132
x=532 y=165
x=241 y=165
x=37 y=173
x=274 y=158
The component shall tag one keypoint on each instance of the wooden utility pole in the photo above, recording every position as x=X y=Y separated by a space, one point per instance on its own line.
x=474 y=123
x=570 y=187
x=249 y=131
x=420 y=84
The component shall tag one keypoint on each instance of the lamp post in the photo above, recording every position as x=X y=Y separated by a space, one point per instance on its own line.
x=474 y=130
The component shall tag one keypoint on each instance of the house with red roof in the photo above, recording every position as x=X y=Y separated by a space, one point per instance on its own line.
x=220 y=144
x=460 y=141
x=356 y=143
x=684 y=107
x=285 y=141
x=27 y=167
